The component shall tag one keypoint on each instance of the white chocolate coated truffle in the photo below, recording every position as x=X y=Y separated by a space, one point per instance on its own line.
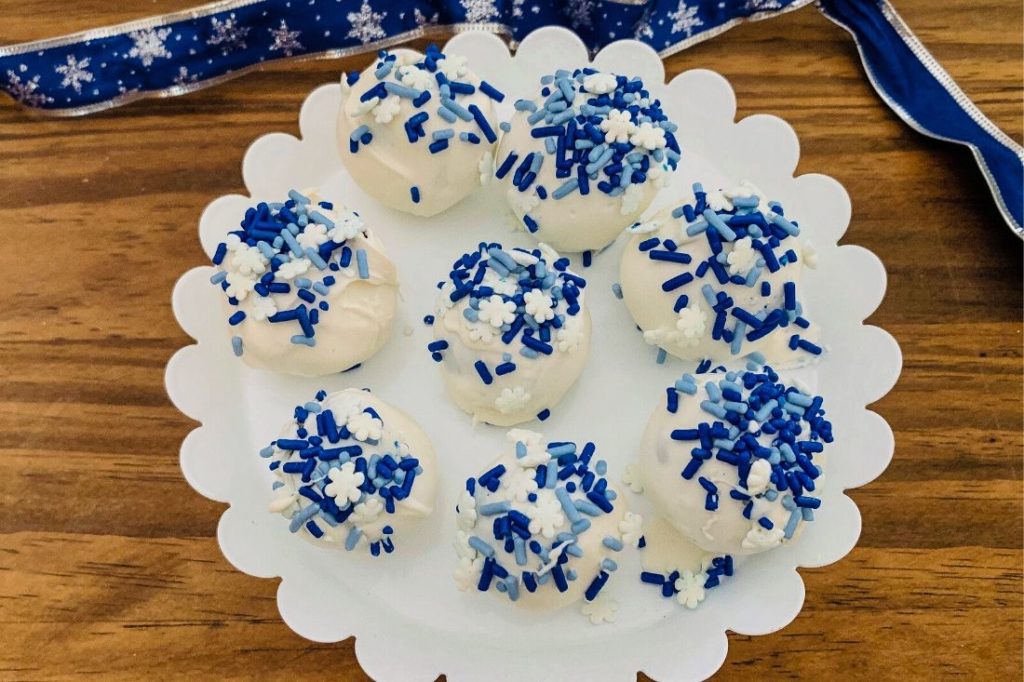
x=512 y=333
x=352 y=472
x=733 y=461
x=543 y=538
x=701 y=294
x=417 y=132
x=585 y=157
x=316 y=301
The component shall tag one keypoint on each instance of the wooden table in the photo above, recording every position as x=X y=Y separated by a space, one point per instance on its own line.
x=109 y=564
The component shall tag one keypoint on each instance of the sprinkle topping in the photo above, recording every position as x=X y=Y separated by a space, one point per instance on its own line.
x=281 y=265
x=597 y=130
x=521 y=524
x=770 y=434
x=519 y=298
x=342 y=474
x=747 y=238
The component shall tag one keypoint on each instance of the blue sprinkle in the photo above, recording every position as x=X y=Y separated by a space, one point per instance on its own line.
x=414 y=192
x=361 y=263
x=236 y=345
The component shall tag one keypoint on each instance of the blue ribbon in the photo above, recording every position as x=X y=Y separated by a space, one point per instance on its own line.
x=185 y=51
x=920 y=92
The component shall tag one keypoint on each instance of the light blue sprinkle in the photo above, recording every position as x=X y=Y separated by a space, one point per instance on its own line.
x=520 y=449
x=297 y=197
x=267 y=451
x=549 y=145
x=402 y=90
x=601 y=467
x=353 y=538
x=265 y=249
x=505 y=126
x=581 y=526
x=236 y=345
x=536 y=116
x=737 y=338
x=528 y=352
x=807 y=513
x=689 y=388
x=303 y=282
x=789 y=227
x=525 y=105
x=364 y=267
x=320 y=288
x=609 y=565
x=457 y=109
x=612 y=543
x=787 y=503
x=301 y=340
x=443 y=134
x=574 y=550
x=277 y=484
x=713 y=409
x=470 y=314
x=771 y=494
x=588 y=507
x=714 y=393
x=566 y=187
x=567 y=504
x=492 y=508
x=321 y=219
x=662 y=355
x=794 y=519
x=709 y=295
x=481 y=546
x=218 y=277
x=610 y=494
x=313 y=406
x=314 y=256
x=519 y=546
x=446 y=115
x=290 y=240
x=357 y=133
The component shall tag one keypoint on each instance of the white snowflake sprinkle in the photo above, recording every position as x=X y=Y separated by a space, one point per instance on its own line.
x=512 y=400
x=742 y=257
x=344 y=484
x=539 y=305
x=466 y=510
x=453 y=66
x=631 y=529
x=600 y=83
x=601 y=610
x=467 y=573
x=387 y=109
x=239 y=285
x=632 y=479
x=367 y=512
x=347 y=226
x=691 y=324
x=294 y=268
x=690 y=588
x=496 y=311
x=312 y=236
x=364 y=426
x=570 y=336
x=648 y=136
x=519 y=483
x=414 y=77
x=618 y=126
x=263 y=307
x=546 y=517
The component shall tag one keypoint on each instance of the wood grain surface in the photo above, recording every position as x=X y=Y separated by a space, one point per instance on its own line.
x=109 y=565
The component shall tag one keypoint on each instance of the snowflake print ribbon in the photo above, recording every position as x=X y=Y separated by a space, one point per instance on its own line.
x=184 y=51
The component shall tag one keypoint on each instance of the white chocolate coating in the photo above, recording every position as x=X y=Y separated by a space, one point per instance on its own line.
x=548 y=521
x=682 y=502
x=536 y=384
x=355 y=327
x=389 y=166
x=398 y=436
x=687 y=334
x=577 y=222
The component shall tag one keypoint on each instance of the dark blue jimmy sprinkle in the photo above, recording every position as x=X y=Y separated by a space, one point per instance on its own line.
x=588 y=258
x=491 y=91
x=543 y=414
x=414 y=193
x=485 y=374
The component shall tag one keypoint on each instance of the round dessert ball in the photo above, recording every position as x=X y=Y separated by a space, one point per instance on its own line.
x=352 y=472
x=719 y=278
x=585 y=157
x=417 y=131
x=541 y=525
x=307 y=287
x=511 y=332
x=734 y=461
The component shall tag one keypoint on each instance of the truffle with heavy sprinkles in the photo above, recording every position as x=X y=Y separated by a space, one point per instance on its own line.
x=511 y=332
x=307 y=287
x=352 y=472
x=585 y=157
x=720 y=278
x=541 y=526
x=734 y=461
x=417 y=131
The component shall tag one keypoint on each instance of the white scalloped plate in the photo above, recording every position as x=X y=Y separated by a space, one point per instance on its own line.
x=408 y=619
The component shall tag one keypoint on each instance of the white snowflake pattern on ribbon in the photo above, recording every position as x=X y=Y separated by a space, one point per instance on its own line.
x=228 y=34
x=285 y=41
x=479 y=10
x=685 y=19
x=25 y=91
x=366 y=24
x=74 y=72
x=149 y=45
